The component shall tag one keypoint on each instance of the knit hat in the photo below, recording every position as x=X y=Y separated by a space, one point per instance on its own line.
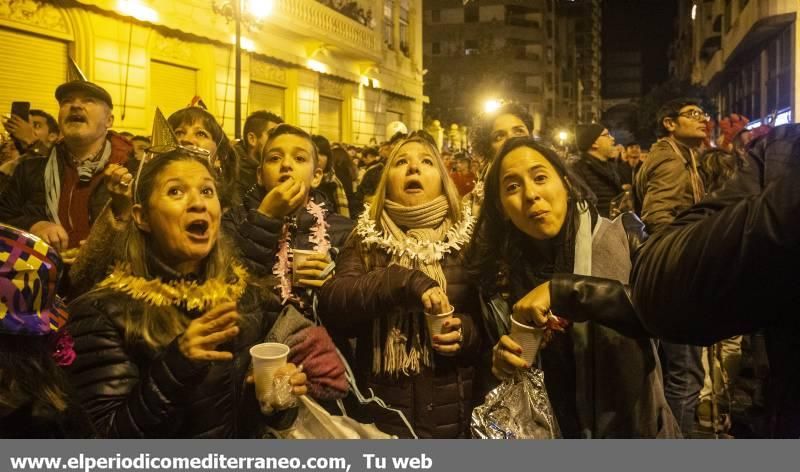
x=586 y=135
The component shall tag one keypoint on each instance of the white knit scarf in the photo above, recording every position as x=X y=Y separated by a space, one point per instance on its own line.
x=406 y=347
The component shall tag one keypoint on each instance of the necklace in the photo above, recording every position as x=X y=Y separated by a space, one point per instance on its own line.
x=425 y=251
x=192 y=295
x=318 y=236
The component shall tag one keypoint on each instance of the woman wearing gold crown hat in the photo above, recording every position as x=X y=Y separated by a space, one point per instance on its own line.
x=166 y=335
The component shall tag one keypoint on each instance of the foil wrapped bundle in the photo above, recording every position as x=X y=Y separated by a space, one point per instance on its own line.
x=517 y=409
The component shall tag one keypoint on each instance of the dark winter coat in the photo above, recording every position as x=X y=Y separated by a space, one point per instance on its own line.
x=437 y=402
x=131 y=390
x=256 y=235
x=601 y=177
x=729 y=266
x=602 y=375
x=24 y=203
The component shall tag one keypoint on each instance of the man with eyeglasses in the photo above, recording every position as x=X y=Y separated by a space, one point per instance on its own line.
x=597 y=166
x=667 y=184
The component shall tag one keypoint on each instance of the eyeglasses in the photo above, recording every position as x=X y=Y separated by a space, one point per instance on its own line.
x=696 y=115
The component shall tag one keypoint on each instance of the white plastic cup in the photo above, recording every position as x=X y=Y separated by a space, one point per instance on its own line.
x=267 y=358
x=436 y=322
x=299 y=257
x=529 y=339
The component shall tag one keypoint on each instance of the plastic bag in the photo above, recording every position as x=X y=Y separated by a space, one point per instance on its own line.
x=517 y=409
x=314 y=422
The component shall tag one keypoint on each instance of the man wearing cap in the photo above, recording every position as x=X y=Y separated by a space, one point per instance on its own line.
x=58 y=196
x=596 y=166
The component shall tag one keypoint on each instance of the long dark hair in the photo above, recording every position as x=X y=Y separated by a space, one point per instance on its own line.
x=497 y=241
x=227 y=157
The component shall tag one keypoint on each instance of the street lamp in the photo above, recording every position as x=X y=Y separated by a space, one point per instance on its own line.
x=250 y=13
x=562 y=136
x=491 y=105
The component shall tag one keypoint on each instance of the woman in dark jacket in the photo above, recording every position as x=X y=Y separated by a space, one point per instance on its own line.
x=602 y=376
x=162 y=343
x=403 y=259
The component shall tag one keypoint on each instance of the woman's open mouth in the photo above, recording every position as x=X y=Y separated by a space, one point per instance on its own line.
x=198 y=229
x=413 y=186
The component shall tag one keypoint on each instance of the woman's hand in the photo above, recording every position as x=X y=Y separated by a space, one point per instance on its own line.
x=435 y=301
x=204 y=334
x=119 y=184
x=284 y=199
x=297 y=381
x=311 y=271
x=449 y=342
x=534 y=308
x=505 y=358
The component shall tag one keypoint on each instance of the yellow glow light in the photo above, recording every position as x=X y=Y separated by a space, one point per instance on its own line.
x=491 y=106
x=562 y=135
x=317 y=66
x=247 y=43
x=138 y=10
x=260 y=9
x=365 y=81
x=376 y=83
x=694 y=11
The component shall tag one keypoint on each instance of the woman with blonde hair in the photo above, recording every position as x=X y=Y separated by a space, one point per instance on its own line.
x=403 y=260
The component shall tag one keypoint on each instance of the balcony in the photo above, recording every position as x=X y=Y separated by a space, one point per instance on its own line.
x=756 y=22
x=314 y=20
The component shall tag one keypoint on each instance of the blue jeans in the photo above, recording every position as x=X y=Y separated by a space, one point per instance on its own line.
x=683 y=380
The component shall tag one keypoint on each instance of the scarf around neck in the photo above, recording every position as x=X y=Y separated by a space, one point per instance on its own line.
x=417 y=237
x=52 y=177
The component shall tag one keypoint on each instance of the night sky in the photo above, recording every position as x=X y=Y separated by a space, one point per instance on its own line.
x=648 y=24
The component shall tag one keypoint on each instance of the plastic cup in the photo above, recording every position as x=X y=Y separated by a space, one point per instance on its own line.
x=436 y=322
x=299 y=257
x=528 y=337
x=267 y=358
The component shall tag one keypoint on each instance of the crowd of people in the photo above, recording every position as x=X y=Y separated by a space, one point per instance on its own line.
x=138 y=271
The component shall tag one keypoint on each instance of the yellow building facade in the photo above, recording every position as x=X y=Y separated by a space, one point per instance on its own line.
x=309 y=63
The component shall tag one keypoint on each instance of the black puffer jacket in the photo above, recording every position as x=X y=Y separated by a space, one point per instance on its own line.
x=438 y=402
x=257 y=236
x=131 y=390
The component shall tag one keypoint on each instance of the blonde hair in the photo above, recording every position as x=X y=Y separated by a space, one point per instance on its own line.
x=448 y=187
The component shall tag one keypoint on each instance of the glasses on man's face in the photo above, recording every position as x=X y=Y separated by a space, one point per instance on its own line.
x=696 y=115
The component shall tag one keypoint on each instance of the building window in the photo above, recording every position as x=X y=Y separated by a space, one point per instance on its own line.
x=436 y=48
x=388 y=24
x=471 y=12
x=728 y=14
x=471 y=47
x=404 y=43
x=436 y=16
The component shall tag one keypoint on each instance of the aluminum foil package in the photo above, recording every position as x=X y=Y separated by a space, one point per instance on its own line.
x=517 y=409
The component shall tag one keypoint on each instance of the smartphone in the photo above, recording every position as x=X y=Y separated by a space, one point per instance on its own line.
x=21 y=109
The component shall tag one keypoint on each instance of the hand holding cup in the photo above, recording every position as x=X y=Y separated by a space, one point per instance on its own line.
x=311 y=269
x=506 y=358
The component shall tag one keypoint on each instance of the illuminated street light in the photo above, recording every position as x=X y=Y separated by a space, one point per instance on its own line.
x=491 y=106
x=562 y=135
x=694 y=11
x=250 y=13
x=138 y=10
x=259 y=9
